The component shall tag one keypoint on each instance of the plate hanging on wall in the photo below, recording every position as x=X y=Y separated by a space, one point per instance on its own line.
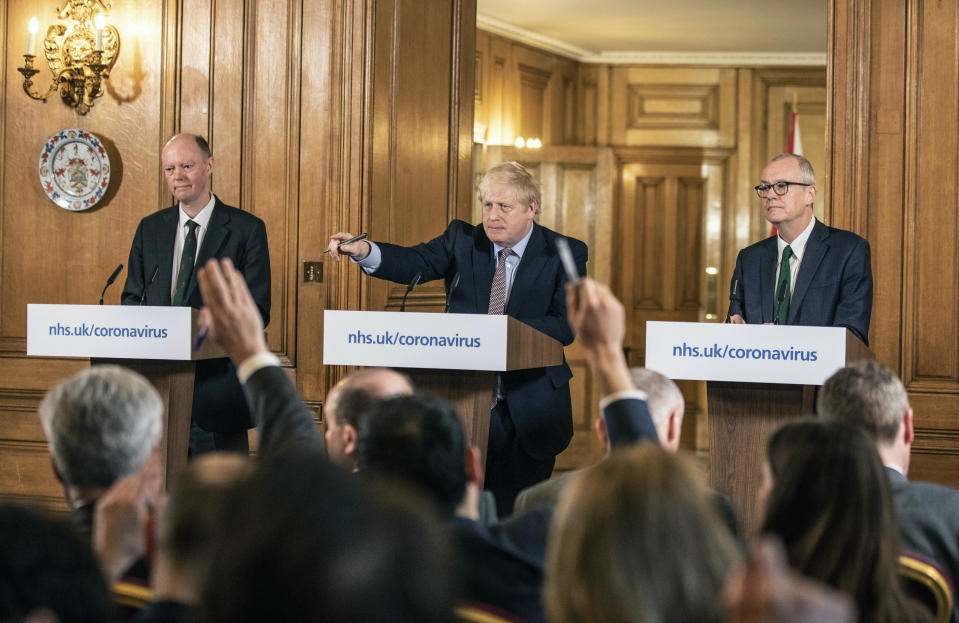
x=74 y=169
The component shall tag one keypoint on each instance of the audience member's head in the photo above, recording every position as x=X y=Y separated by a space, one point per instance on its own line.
x=304 y=541
x=102 y=424
x=420 y=440
x=189 y=527
x=870 y=397
x=637 y=538
x=47 y=573
x=349 y=399
x=831 y=506
x=666 y=404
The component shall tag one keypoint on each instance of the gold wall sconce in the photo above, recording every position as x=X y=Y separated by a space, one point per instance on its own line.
x=80 y=57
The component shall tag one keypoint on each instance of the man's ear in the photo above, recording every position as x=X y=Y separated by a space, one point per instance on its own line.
x=348 y=434
x=473 y=463
x=907 y=427
x=599 y=425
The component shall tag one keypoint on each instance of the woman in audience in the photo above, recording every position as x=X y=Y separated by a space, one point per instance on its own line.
x=829 y=501
x=637 y=538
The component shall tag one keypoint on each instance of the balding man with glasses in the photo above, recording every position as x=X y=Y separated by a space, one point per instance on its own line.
x=808 y=274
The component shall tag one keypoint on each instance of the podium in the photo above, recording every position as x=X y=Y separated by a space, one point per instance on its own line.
x=453 y=356
x=758 y=377
x=157 y=342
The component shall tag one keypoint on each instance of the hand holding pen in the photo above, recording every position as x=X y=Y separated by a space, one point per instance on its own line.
x=344 y=243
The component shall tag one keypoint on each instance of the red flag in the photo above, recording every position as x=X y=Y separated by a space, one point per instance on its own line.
x=793 y=146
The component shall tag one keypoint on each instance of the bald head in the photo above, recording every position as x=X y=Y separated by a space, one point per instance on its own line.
x=347 y=402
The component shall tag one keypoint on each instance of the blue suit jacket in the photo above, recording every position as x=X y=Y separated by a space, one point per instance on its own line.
x=833 y=287
x=538 y=398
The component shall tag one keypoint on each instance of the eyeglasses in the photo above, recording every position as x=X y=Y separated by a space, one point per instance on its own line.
x=781 y=188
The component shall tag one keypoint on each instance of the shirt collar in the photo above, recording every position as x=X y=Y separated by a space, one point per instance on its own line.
x=519 y=247
x=203 y=217
x=799 y=244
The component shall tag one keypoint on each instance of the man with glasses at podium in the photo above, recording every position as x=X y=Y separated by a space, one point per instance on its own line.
x=809 y=273
x=509 y=265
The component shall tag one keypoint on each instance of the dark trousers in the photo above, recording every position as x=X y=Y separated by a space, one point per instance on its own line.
x=509 y=468
x=204 y=441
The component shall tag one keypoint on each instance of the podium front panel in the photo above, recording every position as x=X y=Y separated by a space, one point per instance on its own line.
x=706 y=351
x=109 y=331
x=415 y=340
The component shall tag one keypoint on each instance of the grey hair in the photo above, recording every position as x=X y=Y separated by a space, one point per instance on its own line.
x=868 y=396
x=806 y=173
x=101 y=424
x=662 y=395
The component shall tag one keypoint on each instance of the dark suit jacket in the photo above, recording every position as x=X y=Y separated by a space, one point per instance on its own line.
x=499 y=565
x=218 y=403
x=833 y=287
x=538 y=399
x=928 y=522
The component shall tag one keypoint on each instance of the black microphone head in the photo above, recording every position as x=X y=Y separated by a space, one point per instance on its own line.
x=415 y=281
x=113 y=276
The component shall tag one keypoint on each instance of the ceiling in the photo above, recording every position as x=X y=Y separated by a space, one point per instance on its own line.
x=780 y=31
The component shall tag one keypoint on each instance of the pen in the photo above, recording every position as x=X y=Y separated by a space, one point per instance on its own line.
x=350 y=241
x=200 y=337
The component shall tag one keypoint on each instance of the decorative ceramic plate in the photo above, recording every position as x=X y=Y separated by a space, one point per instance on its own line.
x=74 y=169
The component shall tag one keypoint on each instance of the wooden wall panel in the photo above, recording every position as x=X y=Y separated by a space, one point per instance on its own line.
x=409 y=146
x=526 y=93
x=893 y=151
x=673 y=106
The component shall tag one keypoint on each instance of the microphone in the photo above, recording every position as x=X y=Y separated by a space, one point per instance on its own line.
x=732 y=295
x=449 y=295
x=110 y=280
x=409 y=288
x=780 y=296
x=143 y=293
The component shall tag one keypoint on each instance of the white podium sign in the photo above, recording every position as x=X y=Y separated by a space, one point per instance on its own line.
x=109 y=331
x=414 y=340
x=752 y=353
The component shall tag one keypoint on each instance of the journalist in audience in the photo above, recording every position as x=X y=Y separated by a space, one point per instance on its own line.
x=870 y=397
x=47 y=573
x=102 y=425
x=637 y=538
x=827 y=498
x=303 y=541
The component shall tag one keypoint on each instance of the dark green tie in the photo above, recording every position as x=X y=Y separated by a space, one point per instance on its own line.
x=186 y=264
x=782 y=288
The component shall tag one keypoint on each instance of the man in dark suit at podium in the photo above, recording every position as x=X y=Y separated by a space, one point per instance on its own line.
x=510 y=266
x=166 y=247
x=829 y=277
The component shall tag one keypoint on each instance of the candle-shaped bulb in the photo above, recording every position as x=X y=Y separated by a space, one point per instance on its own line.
x=99 y=23
x=32 y=41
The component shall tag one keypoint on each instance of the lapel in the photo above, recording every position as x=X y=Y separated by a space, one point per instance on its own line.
x=767 y=277
x=165 y=239
x=482 y=259
x=534 y=258
x=816 y=248
x=213 y=240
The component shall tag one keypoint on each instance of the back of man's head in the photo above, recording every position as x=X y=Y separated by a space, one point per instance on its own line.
x=867 y=395
x=46 y=570
x=101 y=424
x=353 y=395
x=303 y=541
x=662 y=395
x=420 y=440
